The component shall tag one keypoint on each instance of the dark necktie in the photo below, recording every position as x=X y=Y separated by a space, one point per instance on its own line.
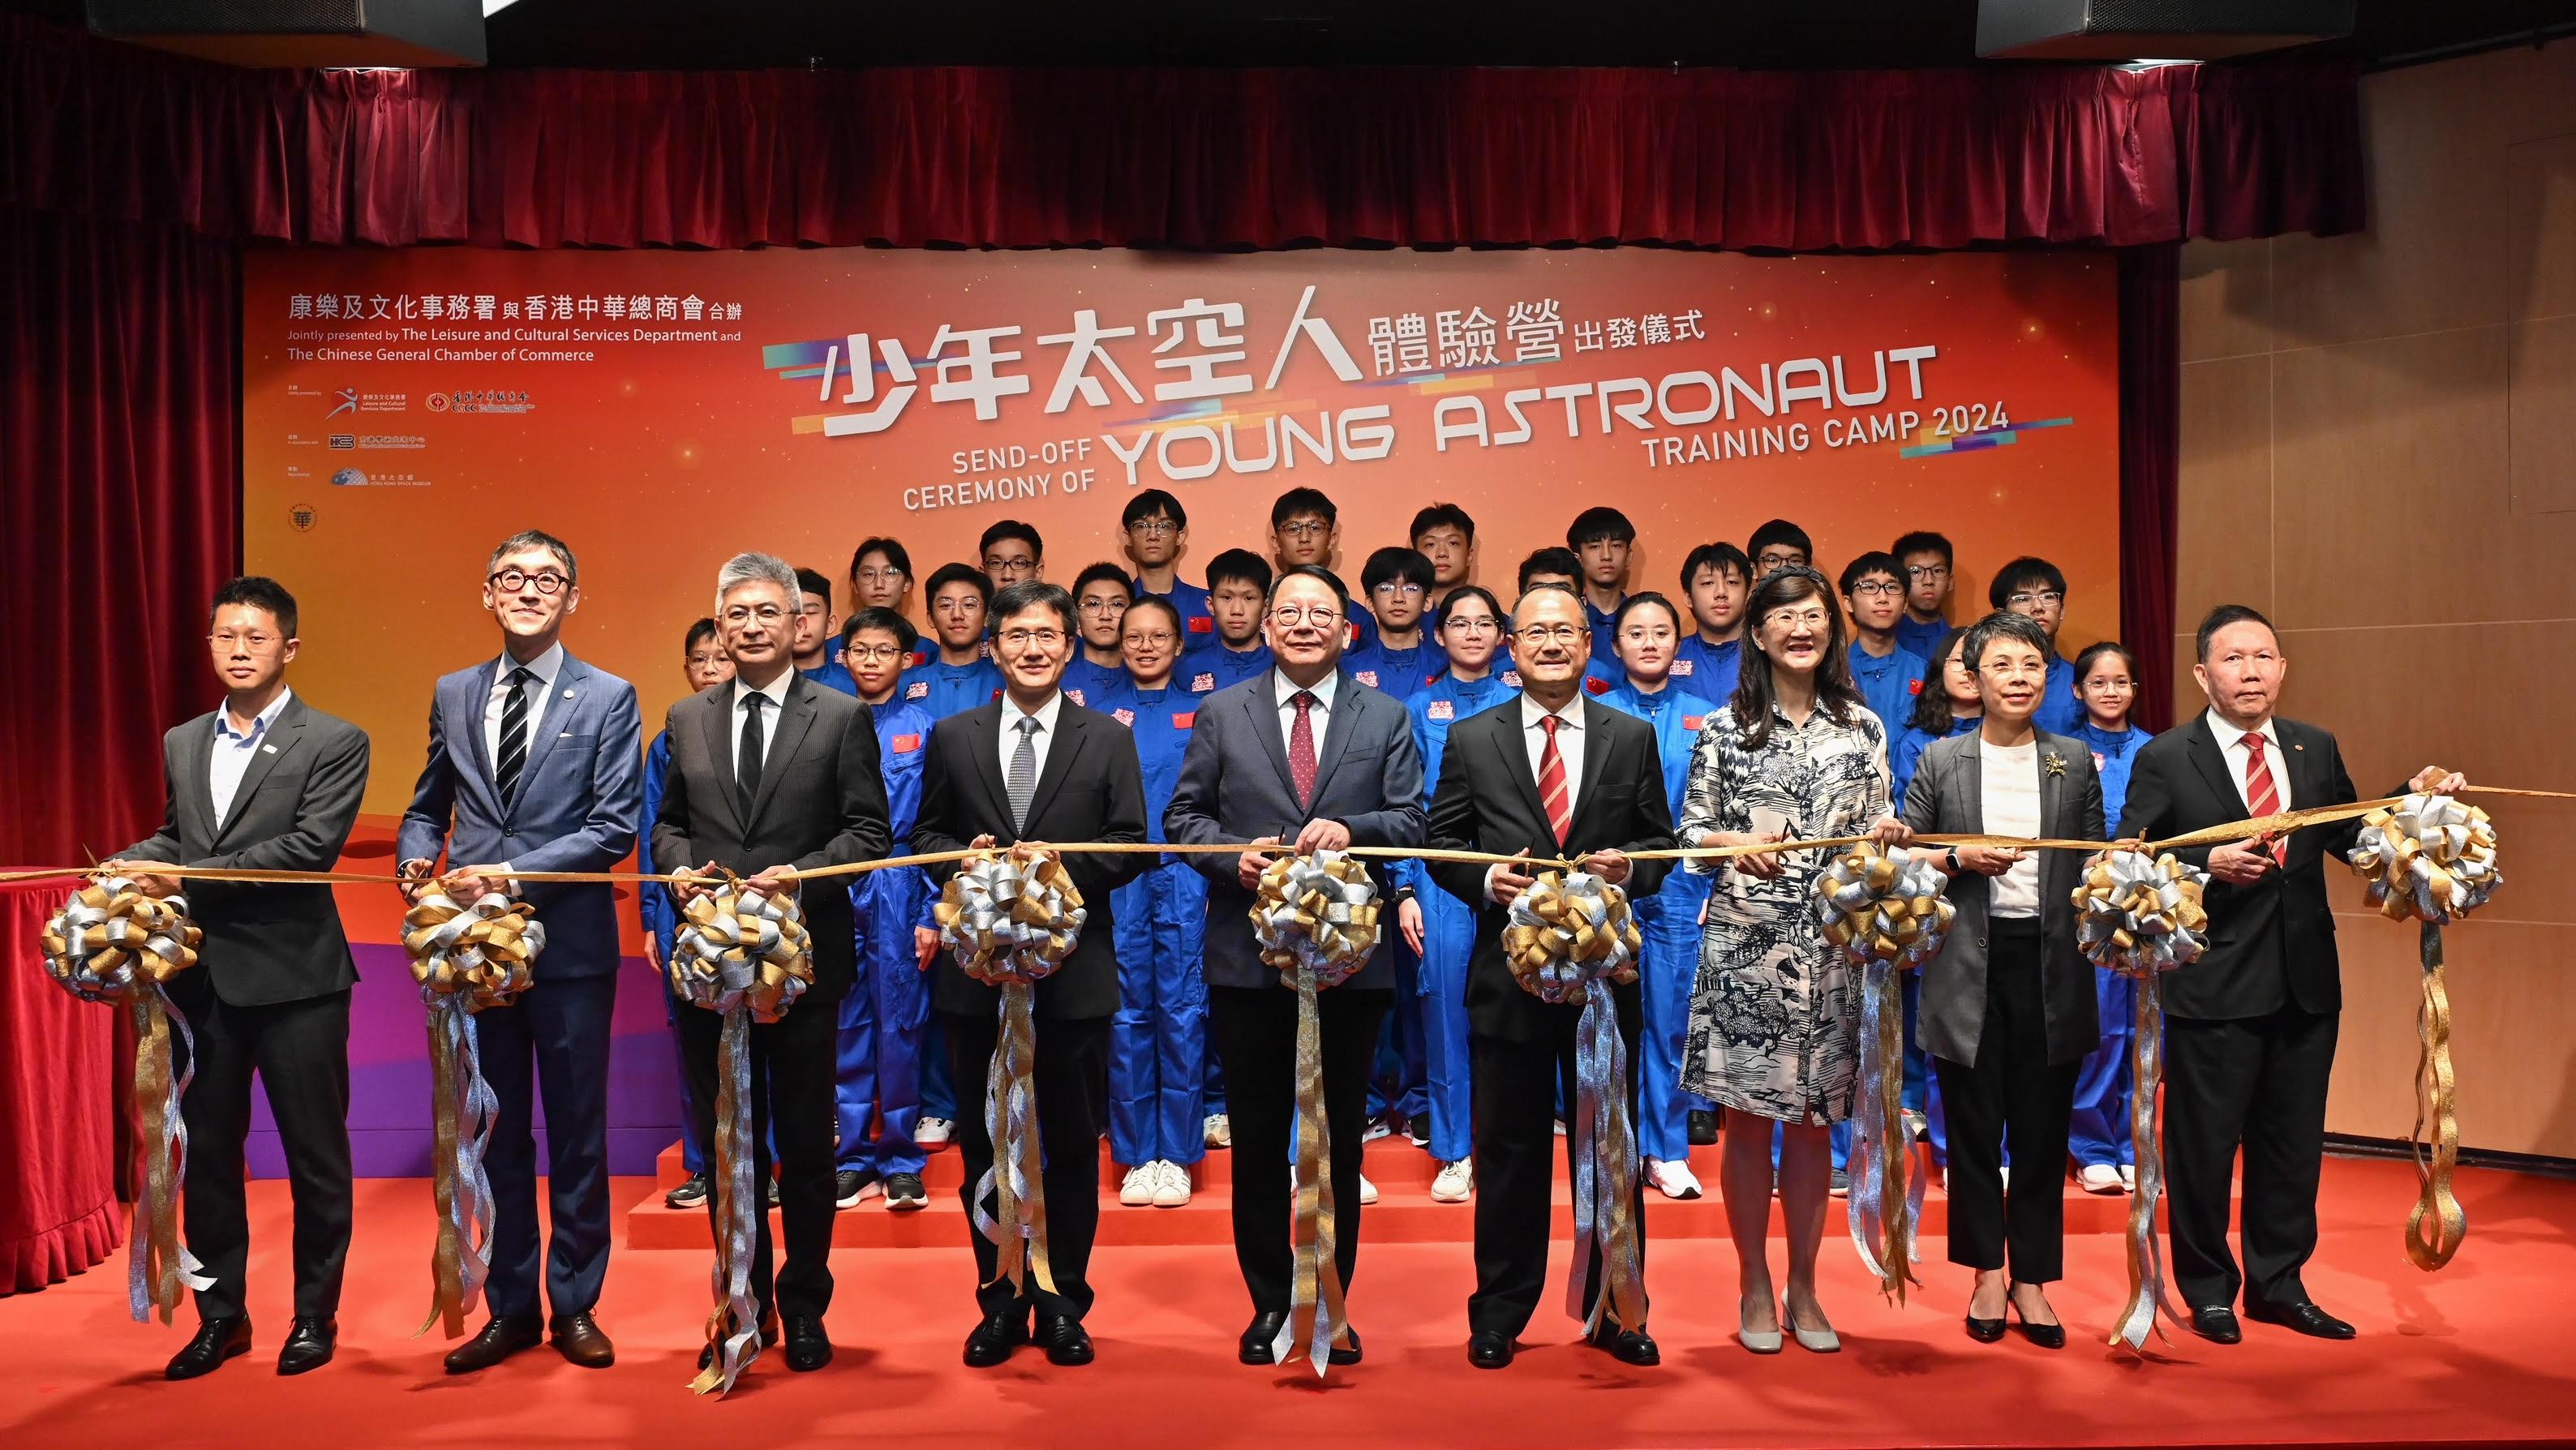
x=514 y=736
x=1301 y=748
x=1023 y=781
x=746 y=770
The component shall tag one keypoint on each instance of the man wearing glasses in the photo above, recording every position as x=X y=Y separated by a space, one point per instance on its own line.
x=1887 y=674
x=1302 y=757
x=1101 y=595
x=1306 y=528
x=2037 y=588
x=535 y=764
x=1402 y=659
x=1157 y=531
x=1012 y=553
x=1926 y=559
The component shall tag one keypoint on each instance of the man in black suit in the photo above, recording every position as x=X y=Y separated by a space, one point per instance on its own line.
x=1034 y=766
x=772 y=774
x=262 y=783
x=2250 y=1027
x=1552 y=775
x=1301 y=752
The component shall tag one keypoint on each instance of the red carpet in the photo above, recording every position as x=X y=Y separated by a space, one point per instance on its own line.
x=2479 y=1353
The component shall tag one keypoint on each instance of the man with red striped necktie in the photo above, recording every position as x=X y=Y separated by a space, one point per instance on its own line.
x=2250 y=1027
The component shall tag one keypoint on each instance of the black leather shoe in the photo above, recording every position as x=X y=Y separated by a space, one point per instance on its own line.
x=1347 y=1353
x=768 y=1336
x=995 y=1338
x=1489 y=1349
x=1703 y=1127
x=577 y=1337
x=217 y=1340
x=1064 y=1339
x=499 y=1339
x=2216 y=1323
x=2046 y=1336
x=1628 y=1346
x=2302 y=1317
x=309 y=1345
x=808 y=1348
x=1985 y=1331
x=1265 y=1327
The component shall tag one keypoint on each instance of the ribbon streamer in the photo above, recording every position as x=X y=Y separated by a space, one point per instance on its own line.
x=112 y=943
x=1316 y=920
x=2141 y=916
x=746 y=956
x=1889 y=914
x=1010 y=921
x=1568 y=938
x=2436 y=1226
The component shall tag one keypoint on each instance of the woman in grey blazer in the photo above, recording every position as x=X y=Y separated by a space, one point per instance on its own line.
x=2008 y=1011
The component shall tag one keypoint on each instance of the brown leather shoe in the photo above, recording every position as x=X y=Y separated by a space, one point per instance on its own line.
x=499 y=1339
x=577 y=1338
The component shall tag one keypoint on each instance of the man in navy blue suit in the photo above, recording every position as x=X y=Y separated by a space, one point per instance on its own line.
x=535 y=765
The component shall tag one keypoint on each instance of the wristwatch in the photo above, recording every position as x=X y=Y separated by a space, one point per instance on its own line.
x=1953 y=855
x=1403 y=894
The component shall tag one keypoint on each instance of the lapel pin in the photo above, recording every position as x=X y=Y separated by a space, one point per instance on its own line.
x=567 y=694
x=270 y=749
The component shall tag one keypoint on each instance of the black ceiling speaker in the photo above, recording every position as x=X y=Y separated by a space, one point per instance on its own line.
x=2099 y=30
x=311 y=34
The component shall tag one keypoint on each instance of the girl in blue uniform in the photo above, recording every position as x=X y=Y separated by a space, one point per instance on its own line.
x=1441 y=929
x=2106 y=680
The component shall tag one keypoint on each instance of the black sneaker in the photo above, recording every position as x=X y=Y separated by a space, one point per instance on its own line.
x=1841 y=1187
x=1703 y=1127
x=692 y=1194
x=851 y=1185
x=904 y=1193
x=1419 y=1130
x=773 y=1193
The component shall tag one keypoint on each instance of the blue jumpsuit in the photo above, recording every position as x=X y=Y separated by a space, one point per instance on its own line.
x=1400 y=1083
x=1917 y=639
x=1209 y=667
x=1087 y=684
x=886 y=1012
x=1158 y=1043
x=2059 y=711
x=1605 y=632
x=941 y=690
x=1192 y=601
x=661 y=920
x=833 y=674
x=1920 y=1086
x=1709 y=670
x=1403 y=673
x=2098 y=1131
x=1889 y=686
x=1669 y=920
x=1448 y=924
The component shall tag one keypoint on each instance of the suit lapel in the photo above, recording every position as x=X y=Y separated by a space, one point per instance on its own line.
x=2052 y=792
x=193 y=777
x=1505 y=731
x=984 y=734
x=1060 y=758
x=279 y=740
x=1596 y=727
x=1972 y=787
x=1338 y=727
x=2211 y=762
x=467 y=716
x=566 y=690
x=1261 y=705
x=717 y=707
x=796 y=718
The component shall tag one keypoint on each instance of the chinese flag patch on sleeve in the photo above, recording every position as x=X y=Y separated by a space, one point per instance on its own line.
x=1201 y=624
x=906 y=744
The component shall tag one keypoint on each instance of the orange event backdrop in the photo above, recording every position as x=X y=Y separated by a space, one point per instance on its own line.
x=405 y=410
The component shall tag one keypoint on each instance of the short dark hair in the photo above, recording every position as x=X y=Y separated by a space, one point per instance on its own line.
x=258 y=591
x=1549 y=560
x=703 y=629
x=947 y=574
x=1150 y=503
x=2028 y=569
x=1932 y=702
x=893 y=550
x=1597 y=523
x=1647 y=598
x=536 y=539
x=1780 y=531
x=1026 y=595
x=2003 y=625
x=1303 y=501
x=1094 y=573
x=1180 y=627
x=2091 y=652
x=1922 y=541
x=1721 y=556
x=1440 y=616
x=1011 y=529
x=2210 y=624
x=1395 y=564
x=1239 y=566
x=1330 y=580
x=877 y=617
x=1443 y=516
x=1867 y=564
x=810 y=582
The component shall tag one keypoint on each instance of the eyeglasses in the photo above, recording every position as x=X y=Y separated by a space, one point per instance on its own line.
x=1647 y=634
x=1771 y=560
x=1023 y=638
x=1116 y=605
x=1153 y=528
x=745 y=613
x=2025 y=600
x=868 y=653
x=886 y=575
x=1793 y=618
x=1398 y=589
x=1927 y=571
x=1149 y=639
x=1473 y=624
x=1877 y=589
x=1289 y=616
x=1013 y=567
x=1542 y=633
x=228 y=640
x=1309 y=529
x=511 y=581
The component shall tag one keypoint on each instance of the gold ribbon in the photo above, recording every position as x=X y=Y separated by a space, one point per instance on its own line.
x=2436 y=1226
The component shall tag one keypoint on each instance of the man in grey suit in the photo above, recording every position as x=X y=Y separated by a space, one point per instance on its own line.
x=533 y=765
x=262 y=783
x=1302 y=754
x=772 y=774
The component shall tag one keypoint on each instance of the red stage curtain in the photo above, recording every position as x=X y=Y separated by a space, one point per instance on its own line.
x=58 y=1210
x=2150 y=469
x=1193 y=158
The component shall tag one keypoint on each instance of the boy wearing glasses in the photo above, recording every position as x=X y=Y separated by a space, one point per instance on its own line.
x=1157 y=531
x=1402 y=659
x=1101 y=595
x=1887 y=674
x=1925 y=558
x=2037 y=588
x=1306 y=530
x=1012 y=553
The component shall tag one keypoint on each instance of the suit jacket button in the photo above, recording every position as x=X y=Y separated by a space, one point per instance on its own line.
x=513 y=835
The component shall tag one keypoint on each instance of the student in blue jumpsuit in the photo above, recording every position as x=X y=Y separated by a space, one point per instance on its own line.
x=1888 y=677
x=815 y=646
x=707 y=665
x=1602 y=538
x=1948 y=705
x=1649 y=637
x=1158 y=1043
x=1400 y=662
x=1100 y=597
x=2106 y=680
x=1926 y=558
x=2037 y=588
x=1437 y=928
x=1157 y=530
x=1716 y=580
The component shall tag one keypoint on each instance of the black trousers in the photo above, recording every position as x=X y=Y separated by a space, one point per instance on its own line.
x=300 y=1050
x=1073 y=1096
x=560 y=1030
x=2013 y=1086
x=1517 y=1085
x=793 y=1063
x=2261 y=1082
x=1256 y=1035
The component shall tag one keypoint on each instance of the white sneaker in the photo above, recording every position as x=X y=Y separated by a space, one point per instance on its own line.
x=2129 y=1176
x=1220 y=1131
x=1560 y=1127
x=1136 y=1190
x=1673 y=1178
x=1368 y=1191
x=931 y=1132
x=2098 y=1178
x=1171 y=1185
x=2005 y=1173
x=1456 y=1181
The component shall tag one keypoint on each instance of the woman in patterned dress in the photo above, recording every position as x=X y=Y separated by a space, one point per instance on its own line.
x=1774 y=1022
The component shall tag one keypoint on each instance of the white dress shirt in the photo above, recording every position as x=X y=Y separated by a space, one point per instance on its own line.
x=776 y=690
x=2008 y=787
x=2231 y=744
x=1569 y=749
x=234 y=752
x=1045 y=715
x=545 y=667
x=1319 y=714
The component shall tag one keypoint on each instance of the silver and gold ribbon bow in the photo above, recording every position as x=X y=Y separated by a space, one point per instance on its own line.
x=1316 y=920
x=112 y=943
x=1888 y=914
x=464 y=958
x=743 y=954
x=1569 y=938
x=2141 y=916
x=2433 y=859
x=1010 y=921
